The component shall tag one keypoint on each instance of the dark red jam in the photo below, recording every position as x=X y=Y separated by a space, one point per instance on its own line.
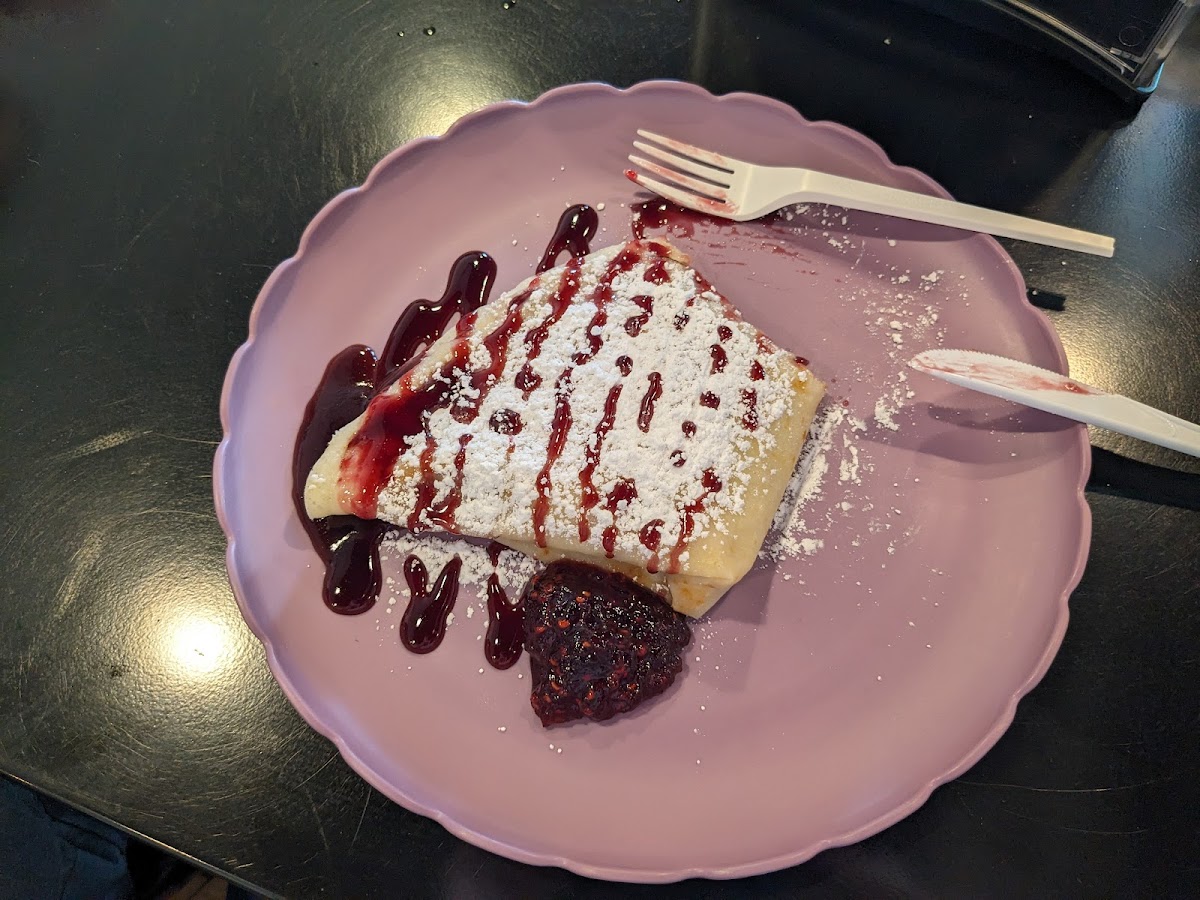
x=424 y=622
x=505 y=631
x=653 y=392
x=575 y=229
x=599 y=643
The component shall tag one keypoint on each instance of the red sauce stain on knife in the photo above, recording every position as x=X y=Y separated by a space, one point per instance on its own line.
x=1002 y=372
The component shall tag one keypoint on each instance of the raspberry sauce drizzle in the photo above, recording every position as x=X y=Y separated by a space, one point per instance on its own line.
x=505 y=632
x=588 y=495
x=750 y=417
x=653 y=392
x=348 y=546
x=528 y=380
x=651 y=537
x=424 y=622
x=687 y=522
x=559 y=426
x=395 y=421
x=635 y=324
x=442 y=515
x=467 y=288
x=623 y=491
x=575 y=229
x=656 y=272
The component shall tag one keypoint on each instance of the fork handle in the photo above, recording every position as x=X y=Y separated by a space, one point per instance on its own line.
x=836 y=190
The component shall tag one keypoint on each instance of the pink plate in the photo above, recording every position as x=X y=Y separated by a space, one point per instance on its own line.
x=829 y=692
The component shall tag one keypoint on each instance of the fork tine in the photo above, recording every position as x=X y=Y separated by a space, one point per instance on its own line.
x=720 y=176
x=700 y=187
x=683 y=198
x=716 y=159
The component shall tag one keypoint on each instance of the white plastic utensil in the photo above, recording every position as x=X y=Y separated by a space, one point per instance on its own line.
x=1049 y=391
x=740 y=191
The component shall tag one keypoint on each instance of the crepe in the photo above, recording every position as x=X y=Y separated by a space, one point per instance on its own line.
x=615 y=410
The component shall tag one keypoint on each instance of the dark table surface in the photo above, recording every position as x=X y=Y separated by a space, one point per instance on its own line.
x=158 y=157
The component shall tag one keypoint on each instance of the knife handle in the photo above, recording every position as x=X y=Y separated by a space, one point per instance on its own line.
x=1135 y=418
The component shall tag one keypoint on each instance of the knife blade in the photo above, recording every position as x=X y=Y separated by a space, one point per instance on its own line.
x=1044 y=389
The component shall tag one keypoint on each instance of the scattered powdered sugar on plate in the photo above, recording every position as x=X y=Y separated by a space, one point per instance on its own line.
x=900 y=312
x=833 y=430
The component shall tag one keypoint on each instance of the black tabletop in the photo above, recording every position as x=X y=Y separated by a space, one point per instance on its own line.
x=158 y=157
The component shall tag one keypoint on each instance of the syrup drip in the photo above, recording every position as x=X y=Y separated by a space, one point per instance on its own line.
x=559 y=426
x=689 y=428
x=424 y=622
x=592 y=333
x=719 y=358
x=480 y=381
x=635 y=324
x=678 y=459
x=711 y=484
x=681 y=320
x=756 y=371
x=494 y=549
x=661 y=214
x=527 y=380
x=656 y=272
x=426 y=488
x=575 y=229
x=750 y=417
x=710 y=400
x=646 y=411
x=625 y=364
x=623 y=492
x=506 y=626
x=588 y=495
x=724 y=332
x=442 y=515
x=467 y=288
x=349 y=547
x=651 y=537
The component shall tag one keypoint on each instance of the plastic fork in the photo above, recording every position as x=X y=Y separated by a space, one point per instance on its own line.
x=723 y=186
